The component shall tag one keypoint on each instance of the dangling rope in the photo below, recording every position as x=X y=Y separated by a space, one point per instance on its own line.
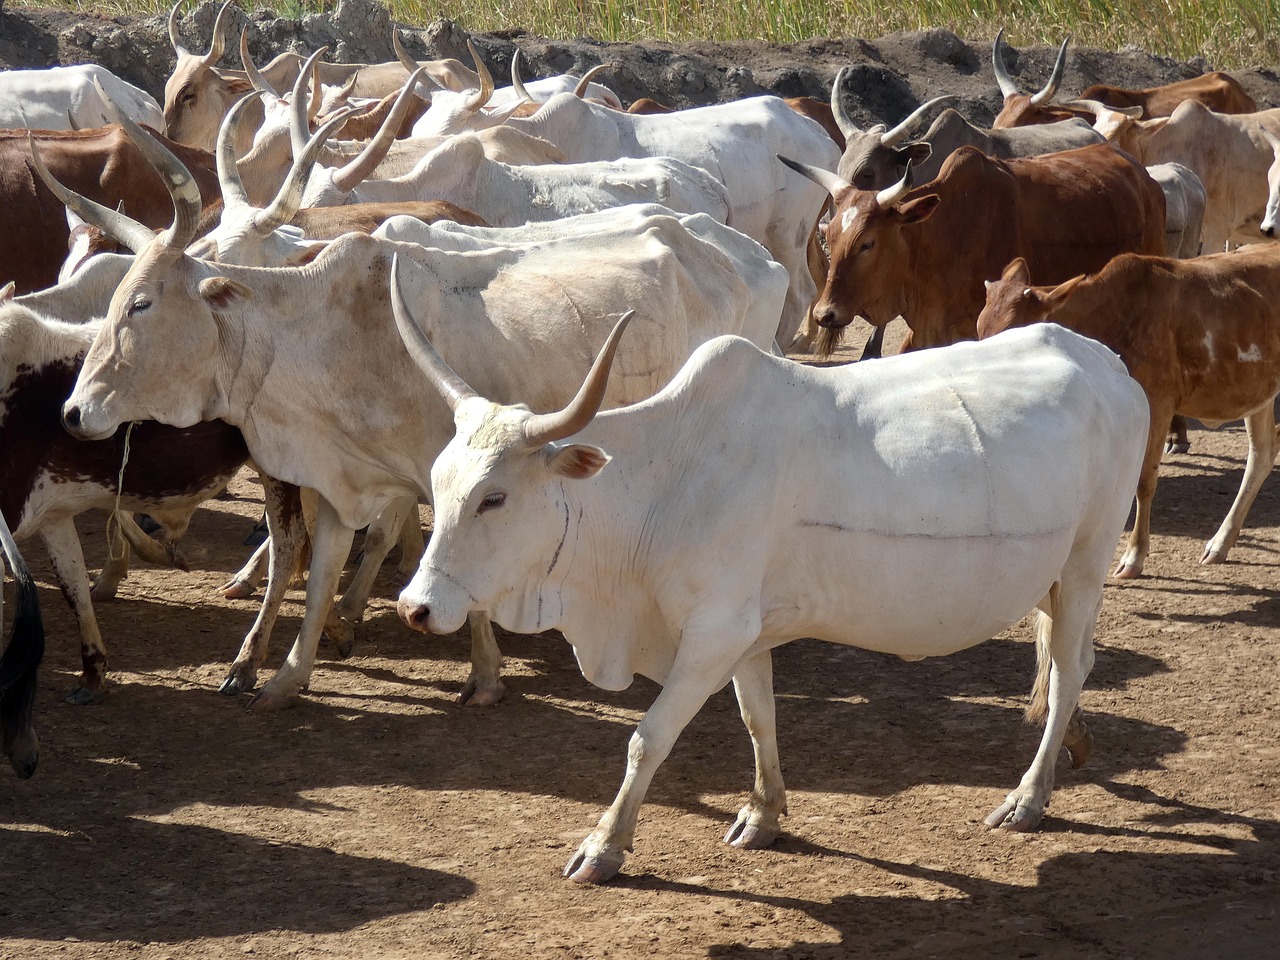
x=115 y=514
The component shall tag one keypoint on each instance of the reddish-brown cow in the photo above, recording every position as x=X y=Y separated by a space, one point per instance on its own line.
x=1218 y=91
x=1202 y=336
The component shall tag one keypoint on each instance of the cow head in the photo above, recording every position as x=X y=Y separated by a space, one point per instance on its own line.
x=1019 y=109
x=197 y=96
x=164 y=343
x=875 y=158
x=869 y=243
x=1013 y=302
x=1118 y=124
x=498 y=494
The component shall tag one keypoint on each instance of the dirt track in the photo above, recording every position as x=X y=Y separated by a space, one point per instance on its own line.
x=379 y=819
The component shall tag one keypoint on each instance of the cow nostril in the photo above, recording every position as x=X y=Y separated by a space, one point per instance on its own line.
x=415 y=616
x=71 y=417
x=1268 y=231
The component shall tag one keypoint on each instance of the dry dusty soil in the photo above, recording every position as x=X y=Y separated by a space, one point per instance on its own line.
x=380 y=819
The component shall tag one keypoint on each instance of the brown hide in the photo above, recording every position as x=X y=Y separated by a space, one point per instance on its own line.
x=926 y=257
x=1019 y=111
x=1218 y=91
x=100 y=164
x=363 y=126
x=329 y=223
x=647 y=106
x=818 y=111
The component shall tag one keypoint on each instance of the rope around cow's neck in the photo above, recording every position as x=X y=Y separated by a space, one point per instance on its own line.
x=115 y=514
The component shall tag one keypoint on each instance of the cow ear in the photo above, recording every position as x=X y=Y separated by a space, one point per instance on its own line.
x=238 y=86
x=916 y=153
x=1017 y=269
x=221 y=292
x=1059 y=294
x=919 y=209
x=304 y=255
x=578 y=461
x=7 y=292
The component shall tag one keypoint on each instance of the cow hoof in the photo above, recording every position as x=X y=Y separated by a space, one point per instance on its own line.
x=1213 y=554
x=1015 y=815
x=1128 y=570
x=269 y=701
x=597 y=869
x=102 y=592
x=1079 y=746
x=237 y=589
x=1177 y=447
x=481 y=693
x=24 y=755
x=238 y=682
x=342 y=635
x=746 y=835
x=83 y=696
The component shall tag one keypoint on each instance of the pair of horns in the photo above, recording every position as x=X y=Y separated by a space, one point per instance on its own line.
x=836 y=185
x=890 y=138
x=218 y=43
x=579 y=91
x=475 y=102
x=539 y=429
x=1008 y=88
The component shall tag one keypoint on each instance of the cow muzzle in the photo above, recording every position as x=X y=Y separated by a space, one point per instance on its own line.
x=415 y=615
x=826 y=315
x=75 y=423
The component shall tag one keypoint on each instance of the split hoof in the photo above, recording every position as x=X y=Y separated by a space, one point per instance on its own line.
x=271 y=702
x=1014 y=815
x=342 y=635
x=1212 y=555
x=597 y=869
x=103 y=592
x=237 y=589
x=477 y=693
x=84 y=696
x=238 y=682
x=746 y=835
x=1127 y=571
x=24 y=755
x=1175 y=446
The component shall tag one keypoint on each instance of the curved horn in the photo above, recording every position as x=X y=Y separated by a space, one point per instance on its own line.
x=843 y=120
x=891 y=195
x=299 y=122
x=904 y=129
x=313 y=107
x=1055 y=78
x=182 y=186
x=288 y=200
x=827 y=180
x=451 y=386
x=543 y=428
x=1008 y=87
x=402 y=54
x=218 y=43
x=233 y=191
x=516 y=83
x=250 y=68
x=1098 y=109
x=358 y=169
x=580 y=90
x=178 y=48
x=125 y=229
x=486 y=80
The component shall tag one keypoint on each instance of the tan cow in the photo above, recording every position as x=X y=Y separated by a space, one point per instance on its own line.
x=1202 y=336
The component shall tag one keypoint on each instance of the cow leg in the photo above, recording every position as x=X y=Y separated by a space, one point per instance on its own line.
x=1261 y=428
x=484 y=686
x=383 y=533
x=703 y=665
x=63 y=543
x=1135 y=554
x=757 y=824
x=245 y=580
x=1178 y=441
x=1064 y=649
x=115 y=568
x=287 y=533
x=412 y=545
x=874 y=347
x=330 y=546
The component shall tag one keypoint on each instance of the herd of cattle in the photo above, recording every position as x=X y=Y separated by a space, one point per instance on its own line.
x=364 y=279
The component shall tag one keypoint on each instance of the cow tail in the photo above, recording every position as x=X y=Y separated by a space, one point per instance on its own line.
x=1037 y=711
x=19 y=663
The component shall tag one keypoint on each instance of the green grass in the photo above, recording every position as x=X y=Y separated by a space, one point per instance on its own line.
x=1227 y=34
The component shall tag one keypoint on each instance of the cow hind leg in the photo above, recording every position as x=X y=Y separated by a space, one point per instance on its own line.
x=1064 y=641
x=1134 y=557
x=484 y=686
x=758 y=823
x=383 y=534
x=1261 y=428
x=1178 y=441
x=115 y=568
x=63 y=544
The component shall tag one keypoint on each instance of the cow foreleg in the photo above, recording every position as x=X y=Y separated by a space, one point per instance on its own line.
x=758 y=821
x=63 y=544
x=287 y=533
x=383 y=533
x=1135 y=554
x=1178 y=441
x=484 y=686
x=412 y=545
x=245 y=580
x=330 y=545
x=703 y=665
x=1064 y=631
x=1261 y=428
x=116 y=567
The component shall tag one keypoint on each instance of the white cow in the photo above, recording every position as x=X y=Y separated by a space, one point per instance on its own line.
x=66 y=98
x=924 y=503
x=287 y=355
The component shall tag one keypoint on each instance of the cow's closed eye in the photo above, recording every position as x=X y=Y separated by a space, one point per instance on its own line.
x=491 y=502
x=137 y=306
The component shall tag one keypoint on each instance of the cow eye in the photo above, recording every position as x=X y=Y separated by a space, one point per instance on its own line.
x=187 y=96
x=866 y=246
x=864 y=179
x=491 y=502
x=142 y=303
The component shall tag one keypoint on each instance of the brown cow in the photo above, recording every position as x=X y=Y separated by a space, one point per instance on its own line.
x=1218 y=91
x=1021 y=109
x=1202 y=336
x=923 y=253
x=103 y=165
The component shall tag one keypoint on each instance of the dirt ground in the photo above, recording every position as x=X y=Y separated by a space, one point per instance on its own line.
x=380 y=819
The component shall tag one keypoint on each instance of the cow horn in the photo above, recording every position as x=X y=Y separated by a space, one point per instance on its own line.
x=843 y=120
x=580 y=90
x=178 y=48
x=904 y=129
x=402 y=54
x=250 y=68
x=889 y=196
x=218 y=43
x=233 y=191
x=1008 y=87
x=288 y=200
x=544 y=428
x=1055 y=78
x=483 y=95
x=182 y=186
x=299 y=117
x=828 y=181
x=317 y=94
x=125 y=229
x=451 y=386
x=516 y=83
x=354 y=172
